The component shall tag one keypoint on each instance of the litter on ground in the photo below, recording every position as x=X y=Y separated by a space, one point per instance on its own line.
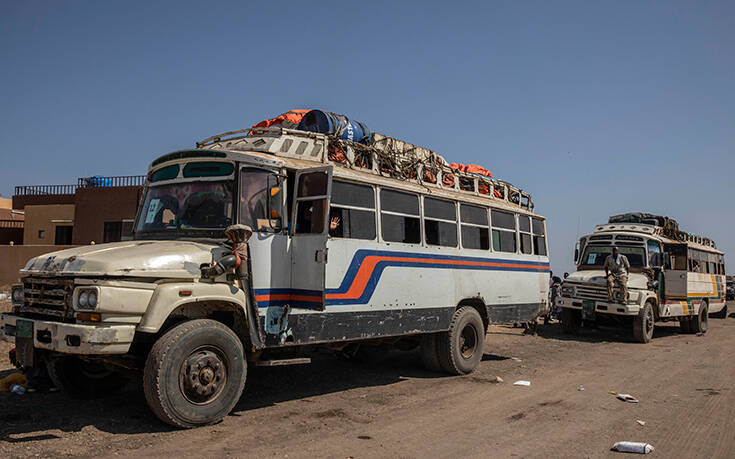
x=627 y=398
x=522 y=383
x=632 y=447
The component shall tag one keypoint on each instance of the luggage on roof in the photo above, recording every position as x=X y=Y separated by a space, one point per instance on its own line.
x=288 y=120
x=338 y=125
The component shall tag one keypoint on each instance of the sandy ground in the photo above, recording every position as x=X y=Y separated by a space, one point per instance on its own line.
x=334 y=408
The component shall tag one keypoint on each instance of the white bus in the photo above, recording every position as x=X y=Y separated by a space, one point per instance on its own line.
x=674 y=276
x=343 y=253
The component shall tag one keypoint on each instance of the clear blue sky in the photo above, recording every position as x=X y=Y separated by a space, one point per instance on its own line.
x=595 y=108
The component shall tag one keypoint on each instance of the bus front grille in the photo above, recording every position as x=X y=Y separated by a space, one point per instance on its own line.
x=591 y=293
x=47 y=296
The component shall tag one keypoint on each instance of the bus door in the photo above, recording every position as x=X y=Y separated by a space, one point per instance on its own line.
x=675 y=276
x=309 y=243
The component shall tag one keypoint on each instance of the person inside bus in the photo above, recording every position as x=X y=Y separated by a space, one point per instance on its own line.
x=335 y=224
x=617 y=268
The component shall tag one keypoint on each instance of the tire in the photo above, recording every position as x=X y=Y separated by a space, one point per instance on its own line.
x=644 y=323
x=179 y=394
x=84 y=380
x=700 y=322
x=720 y=315
x=460 y=348
x=571 y=321
x=429 y=354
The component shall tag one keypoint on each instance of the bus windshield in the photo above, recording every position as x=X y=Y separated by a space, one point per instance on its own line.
x=594 y=255
x=185 y=206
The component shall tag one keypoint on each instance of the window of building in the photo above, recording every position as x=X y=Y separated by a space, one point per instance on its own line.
x=352 y=211
x=475 y=230
x=524 y=228
x=63 y=235
x=539 y=236
x=41 y=234
x=112 y=232
x=440 y=222
x=504 y=231
x=399 y=217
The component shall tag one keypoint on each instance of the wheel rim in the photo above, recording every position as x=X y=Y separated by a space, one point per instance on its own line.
x=468 y=341
x=649 y=321
x=203 y=375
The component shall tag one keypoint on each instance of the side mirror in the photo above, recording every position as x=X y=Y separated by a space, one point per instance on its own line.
x=275 y=204
x=667 y=260
x=576 y=253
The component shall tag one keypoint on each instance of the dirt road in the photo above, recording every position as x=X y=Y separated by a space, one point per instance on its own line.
x=334 y=408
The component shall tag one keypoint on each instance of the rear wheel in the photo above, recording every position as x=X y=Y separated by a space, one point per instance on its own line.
x=700 y=322
x=82 y=379
x=195 y=373
x=643 y=324
x=460 y=348
x=571 y=320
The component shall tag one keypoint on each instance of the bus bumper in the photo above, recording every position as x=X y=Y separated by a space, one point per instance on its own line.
x=66 y=338
x=599 y=307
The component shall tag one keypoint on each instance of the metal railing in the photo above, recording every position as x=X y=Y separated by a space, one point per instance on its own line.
x=11 y=224
x=97 y=181
x=44 y=189
x=119 y=180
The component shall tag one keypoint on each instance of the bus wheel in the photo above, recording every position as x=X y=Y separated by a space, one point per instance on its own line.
x=429 y=354
x=643 y=324
x=571 y=320
x=460 y=348
x=700 y=323
x=195 y=373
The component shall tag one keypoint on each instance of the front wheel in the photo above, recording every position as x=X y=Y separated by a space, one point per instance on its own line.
x=460 y=348
x=643 y=324
x=700 y=322
x=195 y=374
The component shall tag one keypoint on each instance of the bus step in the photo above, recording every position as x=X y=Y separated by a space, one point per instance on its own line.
x=274 y=363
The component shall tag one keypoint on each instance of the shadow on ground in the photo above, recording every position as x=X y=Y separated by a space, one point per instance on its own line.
x=29 y=417
x=604 y=333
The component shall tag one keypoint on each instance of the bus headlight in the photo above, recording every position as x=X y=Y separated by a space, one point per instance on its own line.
x=567 y=291
x=16 y=295
x=87 y=298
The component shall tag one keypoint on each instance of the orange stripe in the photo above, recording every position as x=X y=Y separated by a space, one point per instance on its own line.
x=368 y=265
x=286 y=297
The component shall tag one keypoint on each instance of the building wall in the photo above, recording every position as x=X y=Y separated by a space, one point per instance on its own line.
x=95 y=206
x=14 y=258
x=41 y=218
x=6 y=203
x=22 y=200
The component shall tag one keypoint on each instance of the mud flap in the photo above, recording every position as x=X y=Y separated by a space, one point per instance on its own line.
x=25 y=353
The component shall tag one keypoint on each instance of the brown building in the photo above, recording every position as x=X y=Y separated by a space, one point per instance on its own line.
x=98 y=209
x=11 y=223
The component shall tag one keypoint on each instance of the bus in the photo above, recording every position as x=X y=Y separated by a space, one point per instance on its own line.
x=674 y=276
x=331 y=244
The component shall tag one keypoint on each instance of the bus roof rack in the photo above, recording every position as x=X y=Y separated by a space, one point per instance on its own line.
x=666 y=226
x=385 y=156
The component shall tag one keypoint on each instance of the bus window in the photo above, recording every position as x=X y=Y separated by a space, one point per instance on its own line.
x=260 y=189
x=440 y=222
x=655 y=259
x=539 y=236
x=504 y=231
x=475 y=234
x=352 y=211
x=310 y=213
x=399 y=217
x=524 y=226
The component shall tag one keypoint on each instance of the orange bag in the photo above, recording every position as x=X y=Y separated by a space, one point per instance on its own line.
x=288 y=120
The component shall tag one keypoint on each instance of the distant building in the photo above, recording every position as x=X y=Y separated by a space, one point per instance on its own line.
x=11 y=223
x=99 y=209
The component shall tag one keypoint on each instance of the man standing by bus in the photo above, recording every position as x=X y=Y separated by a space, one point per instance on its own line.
x=617 y=267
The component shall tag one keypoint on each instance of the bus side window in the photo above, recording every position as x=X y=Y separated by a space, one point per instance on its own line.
x=310 y=213
x=352 y=211
x=260 y=194
x=475 y=233
x=399 y=217
x=524 y=225
x=655 y=259
x=440 y=222
x=504 y=231
x=539 y=236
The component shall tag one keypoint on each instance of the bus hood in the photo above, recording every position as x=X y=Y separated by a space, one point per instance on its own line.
x=597 y=276
x=172 y=259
